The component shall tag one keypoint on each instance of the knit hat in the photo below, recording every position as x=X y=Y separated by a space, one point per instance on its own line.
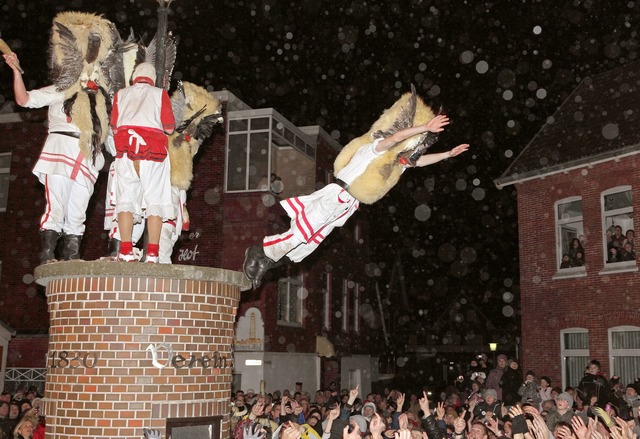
x=361 y=422
x=502 y=356
x=370 y=405
x=146 y=70
x=565 y=396
x=490 y=392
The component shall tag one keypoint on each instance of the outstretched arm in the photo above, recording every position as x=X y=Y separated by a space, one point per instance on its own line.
x=435 y=125
x=430 y=159
x=19 y=89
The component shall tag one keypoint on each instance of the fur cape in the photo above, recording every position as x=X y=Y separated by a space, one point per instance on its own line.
x=196 y=111
x=79 y=43
x=384 y=172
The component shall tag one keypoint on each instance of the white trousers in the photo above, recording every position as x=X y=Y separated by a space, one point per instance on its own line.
x=66 y=205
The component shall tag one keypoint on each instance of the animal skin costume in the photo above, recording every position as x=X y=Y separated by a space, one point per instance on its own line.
x=363 y=175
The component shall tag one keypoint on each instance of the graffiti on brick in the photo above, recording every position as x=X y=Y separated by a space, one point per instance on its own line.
x=177 y=361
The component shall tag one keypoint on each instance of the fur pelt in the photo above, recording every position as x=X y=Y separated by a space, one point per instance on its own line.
x=79 y=43
x=187 y=102
x=383 y=172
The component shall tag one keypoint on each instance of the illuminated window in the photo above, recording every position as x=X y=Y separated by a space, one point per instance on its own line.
x=619 y=235
x=569 y=234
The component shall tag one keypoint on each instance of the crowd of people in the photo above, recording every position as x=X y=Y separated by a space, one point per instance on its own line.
x=620 y=247
x=20 y=415
x=484 y=403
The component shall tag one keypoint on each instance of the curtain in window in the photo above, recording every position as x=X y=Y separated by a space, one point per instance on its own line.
x=574 y=369
x=627 y=368
x=625 y=340
x=576 y=340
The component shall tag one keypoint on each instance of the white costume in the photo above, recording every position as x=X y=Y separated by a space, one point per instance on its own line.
x=67 y=175
x=314 y=216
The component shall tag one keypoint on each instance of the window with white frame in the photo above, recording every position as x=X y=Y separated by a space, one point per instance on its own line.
x=569 y=233
x=617 y=212
x=624 y=351
x=327 y=278
x=5 y=176
x=574 y=351
x=267 y=153
x=290 y=300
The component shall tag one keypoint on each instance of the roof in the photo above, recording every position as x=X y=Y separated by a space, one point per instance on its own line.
x=599 y=121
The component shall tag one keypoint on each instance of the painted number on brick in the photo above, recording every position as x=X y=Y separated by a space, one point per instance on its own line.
x=72 y=360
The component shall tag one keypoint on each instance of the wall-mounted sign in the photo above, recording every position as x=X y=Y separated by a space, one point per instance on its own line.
x=177 y=361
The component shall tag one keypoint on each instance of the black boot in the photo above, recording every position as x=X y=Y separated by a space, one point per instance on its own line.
x=71 y=247
x=48 y=242
x=251 y=258
x=265 y=264
x=114 y=247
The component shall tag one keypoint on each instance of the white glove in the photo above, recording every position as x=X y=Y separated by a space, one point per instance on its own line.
x=152 y=434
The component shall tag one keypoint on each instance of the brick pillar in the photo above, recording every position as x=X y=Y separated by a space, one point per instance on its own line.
x=132 y=345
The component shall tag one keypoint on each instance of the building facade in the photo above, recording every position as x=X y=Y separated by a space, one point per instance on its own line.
x=313 y=322
x=578 y=193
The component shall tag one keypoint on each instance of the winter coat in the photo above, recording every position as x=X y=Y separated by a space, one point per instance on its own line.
x=554 y=416
x=510 y=383
x=528 y=392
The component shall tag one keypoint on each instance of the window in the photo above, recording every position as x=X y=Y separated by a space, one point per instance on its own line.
x=326 y=299
x=262 y=148
x=290 y=301
x=356 y=308
x=347 y=285
x=574 y=351
x=624 y=351
x=5 y=176
x=569 y=233
x=617 y=210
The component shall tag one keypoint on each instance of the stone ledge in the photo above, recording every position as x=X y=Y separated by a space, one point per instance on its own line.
x=74 y=269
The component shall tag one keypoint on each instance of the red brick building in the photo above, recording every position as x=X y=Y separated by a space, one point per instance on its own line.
x=577 y=181
x=325 y=303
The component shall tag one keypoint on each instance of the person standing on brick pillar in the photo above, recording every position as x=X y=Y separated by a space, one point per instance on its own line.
x=67 y=175
x=141 y=118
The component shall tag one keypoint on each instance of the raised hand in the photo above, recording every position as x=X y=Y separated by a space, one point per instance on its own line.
x=400 y=402
x=459 y=424
x=376 y=427
x=437 y=124
x=355 y=433
x=424 y=404
x=440 y=411
x=403 y=421
x=458 y=150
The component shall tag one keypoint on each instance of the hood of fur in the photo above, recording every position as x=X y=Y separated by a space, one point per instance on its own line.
x=383 y=172
x=184 y=145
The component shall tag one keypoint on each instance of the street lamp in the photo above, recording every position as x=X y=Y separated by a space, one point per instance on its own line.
x=163 y=12
x=493 y=347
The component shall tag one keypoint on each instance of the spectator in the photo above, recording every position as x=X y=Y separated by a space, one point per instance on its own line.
x=562 y=412
x=545 y=390
x=576 y=249
x=627 y=253
x=495 y=376
x=593 y=385
x=629 y=403
x=630 y=238
x=613 y=255
x=566 y=261
x=617 y=240
x=491 y=407
x=510 y=383
x=528 y=391
x=24 y=429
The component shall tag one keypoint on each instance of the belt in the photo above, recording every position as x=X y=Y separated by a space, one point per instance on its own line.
x=67 y=133
x=342 y=184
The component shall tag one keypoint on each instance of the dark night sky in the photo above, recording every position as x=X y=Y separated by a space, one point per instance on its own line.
x=498 y=68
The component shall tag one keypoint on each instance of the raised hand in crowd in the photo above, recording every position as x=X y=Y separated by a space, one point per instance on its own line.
x=424 y=404
x=581 y=431
x=376 y=427
x=492 y=424
x=440 y=411
x=291 y=431
x=400 y=402
x=459 y=425
x=353 y=394
x=403 y=434
x=403 y=421
x=254 y=431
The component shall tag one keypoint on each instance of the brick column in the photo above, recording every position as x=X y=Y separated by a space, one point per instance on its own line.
x=132 y=345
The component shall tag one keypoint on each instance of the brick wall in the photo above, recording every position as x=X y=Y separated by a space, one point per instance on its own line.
x=101 y=380
x=596 y=302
